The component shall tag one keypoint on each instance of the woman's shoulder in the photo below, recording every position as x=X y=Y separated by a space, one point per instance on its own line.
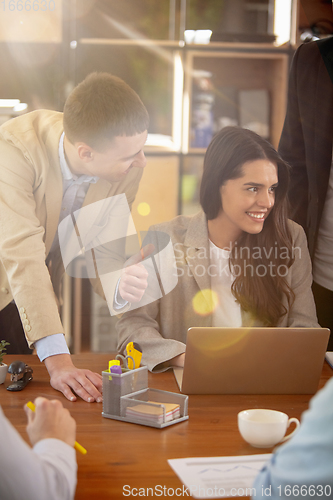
x=179 y=221
x=297 y=232
x=179 y=225
x=295 y=228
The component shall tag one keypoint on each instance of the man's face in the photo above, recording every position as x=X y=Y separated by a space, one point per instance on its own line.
x=118 y=158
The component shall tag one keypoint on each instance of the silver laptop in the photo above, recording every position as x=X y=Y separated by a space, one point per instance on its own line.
x=253 y=360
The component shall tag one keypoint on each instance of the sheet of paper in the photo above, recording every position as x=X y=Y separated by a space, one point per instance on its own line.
x=329 y=358
x=218 y=477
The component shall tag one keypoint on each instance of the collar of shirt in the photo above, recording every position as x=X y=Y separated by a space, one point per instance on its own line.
x=65 y=170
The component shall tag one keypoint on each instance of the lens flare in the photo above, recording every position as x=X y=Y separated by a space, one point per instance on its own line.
x=205 y=302
x=143 y=209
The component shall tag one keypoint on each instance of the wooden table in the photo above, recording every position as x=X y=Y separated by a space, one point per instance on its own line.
x=122 y=454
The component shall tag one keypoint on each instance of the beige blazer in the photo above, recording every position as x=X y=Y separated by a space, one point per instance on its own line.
x=161 y=327
x=30 y=202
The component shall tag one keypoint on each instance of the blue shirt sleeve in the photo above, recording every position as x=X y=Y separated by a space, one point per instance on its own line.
x=304 y=463
x=51 y=346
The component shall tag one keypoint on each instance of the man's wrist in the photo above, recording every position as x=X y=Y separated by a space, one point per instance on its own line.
x=56 y=362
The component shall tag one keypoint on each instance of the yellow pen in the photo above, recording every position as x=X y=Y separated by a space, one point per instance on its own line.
x=77 y=446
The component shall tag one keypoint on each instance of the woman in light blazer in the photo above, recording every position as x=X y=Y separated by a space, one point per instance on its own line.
x=239 y=261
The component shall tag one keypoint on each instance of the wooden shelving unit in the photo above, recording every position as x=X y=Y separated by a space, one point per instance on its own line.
x=242 y=67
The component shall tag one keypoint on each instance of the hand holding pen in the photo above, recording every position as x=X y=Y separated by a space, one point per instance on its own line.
x=49 y=419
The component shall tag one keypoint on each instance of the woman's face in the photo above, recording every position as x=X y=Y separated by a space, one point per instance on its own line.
x=248 y=200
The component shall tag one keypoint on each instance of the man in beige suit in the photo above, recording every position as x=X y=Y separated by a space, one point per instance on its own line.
x=52 y=164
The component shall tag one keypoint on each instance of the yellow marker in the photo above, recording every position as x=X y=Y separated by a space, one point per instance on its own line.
x=113 y=362
x=77 y=446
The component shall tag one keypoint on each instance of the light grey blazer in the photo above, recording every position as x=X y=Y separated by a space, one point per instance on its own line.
x=161 y=327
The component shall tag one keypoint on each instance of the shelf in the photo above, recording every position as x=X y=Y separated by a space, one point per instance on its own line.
x=137 y=41
x=234 y=46
x=240 y=71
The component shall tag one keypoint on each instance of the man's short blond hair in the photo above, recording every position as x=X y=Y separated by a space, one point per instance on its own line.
x=101 y=108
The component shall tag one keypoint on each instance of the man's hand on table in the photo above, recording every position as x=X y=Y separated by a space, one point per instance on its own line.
x=65 y=376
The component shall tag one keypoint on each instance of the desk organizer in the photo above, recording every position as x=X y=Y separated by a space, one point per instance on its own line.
x=121 y=391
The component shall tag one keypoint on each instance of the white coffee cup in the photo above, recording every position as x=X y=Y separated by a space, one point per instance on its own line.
x=264 y=428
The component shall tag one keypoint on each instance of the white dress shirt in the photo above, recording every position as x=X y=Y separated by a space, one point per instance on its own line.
x=48 y=471
x=227 y=311
x=74 y=191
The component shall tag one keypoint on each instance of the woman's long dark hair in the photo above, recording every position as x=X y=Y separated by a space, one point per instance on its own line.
x=260 y=262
